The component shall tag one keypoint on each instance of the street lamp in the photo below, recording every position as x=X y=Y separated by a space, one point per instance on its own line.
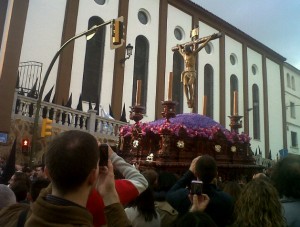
x=255 y=105
x=129 y=49
x=89 y=33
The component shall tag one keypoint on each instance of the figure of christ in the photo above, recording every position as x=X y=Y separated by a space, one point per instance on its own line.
x=188 y=76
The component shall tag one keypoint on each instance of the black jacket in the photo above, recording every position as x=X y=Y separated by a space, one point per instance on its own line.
x=220 y=207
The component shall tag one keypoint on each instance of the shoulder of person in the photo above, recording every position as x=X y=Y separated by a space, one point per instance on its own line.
x=165 y=206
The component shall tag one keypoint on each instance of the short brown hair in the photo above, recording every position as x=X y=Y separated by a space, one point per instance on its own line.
x=206 y=168
x=286 y=176
x=70 y=158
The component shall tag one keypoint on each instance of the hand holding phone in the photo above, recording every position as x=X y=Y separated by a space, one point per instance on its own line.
x=199 y=202
x=103 y=153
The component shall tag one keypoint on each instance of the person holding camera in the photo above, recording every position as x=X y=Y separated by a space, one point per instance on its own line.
x=71 y=163
x=128 y=189
x=219 y=206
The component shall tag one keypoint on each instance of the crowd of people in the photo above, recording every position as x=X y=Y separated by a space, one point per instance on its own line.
x=71 y=189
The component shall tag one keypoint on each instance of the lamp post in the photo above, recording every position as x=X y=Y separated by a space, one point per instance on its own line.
x=129 y=49
x=89 y=33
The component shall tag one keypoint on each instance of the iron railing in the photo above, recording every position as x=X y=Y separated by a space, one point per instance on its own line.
x=29 y=78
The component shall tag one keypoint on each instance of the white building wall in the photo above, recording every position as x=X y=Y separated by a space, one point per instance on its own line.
x=212 y=59
x=293 y=128
x=42 y=39
x=274 y=107
x=42 y=35
x=106 y=12
x=176 y=18
x=255 y=58
x=232 y=47
x=149 y=31
x=292 y=95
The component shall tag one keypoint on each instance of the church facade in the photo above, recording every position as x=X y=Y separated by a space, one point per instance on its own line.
x=31 y=31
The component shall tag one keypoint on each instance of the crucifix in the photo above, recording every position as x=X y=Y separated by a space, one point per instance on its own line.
x=189 y=51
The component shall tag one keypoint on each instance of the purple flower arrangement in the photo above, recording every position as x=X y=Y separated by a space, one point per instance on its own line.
x=186 y=125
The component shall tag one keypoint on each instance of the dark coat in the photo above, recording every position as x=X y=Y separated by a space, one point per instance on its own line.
x=220 y=207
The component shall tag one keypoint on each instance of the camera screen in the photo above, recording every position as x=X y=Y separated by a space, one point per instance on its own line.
x=196 y=187
x=103 y=151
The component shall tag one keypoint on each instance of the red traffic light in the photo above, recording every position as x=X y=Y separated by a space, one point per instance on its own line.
x=25 y=146
x=25 y=142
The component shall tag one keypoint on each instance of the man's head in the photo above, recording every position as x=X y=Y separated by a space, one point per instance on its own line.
x=27 y=170
x=21 y=190
x=71 y=159
x=188 y=49
x=7 y=196
x=151 y=175
x=286 y=176
x=19 y=176
x=206 y=169
x=39 y=170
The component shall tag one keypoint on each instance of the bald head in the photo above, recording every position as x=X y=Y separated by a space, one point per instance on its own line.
x=7 y=196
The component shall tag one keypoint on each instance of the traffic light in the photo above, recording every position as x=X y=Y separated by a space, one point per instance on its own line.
x=25 y=146
x=117 y=32
x=46 y=127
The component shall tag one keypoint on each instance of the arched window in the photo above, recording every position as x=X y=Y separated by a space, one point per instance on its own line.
x=140 y=71
x=209 y=89
x=233 y=88
x=93 y=63
x=288 y=80
x=255 y=106
x=178 y=67
x=293 y=82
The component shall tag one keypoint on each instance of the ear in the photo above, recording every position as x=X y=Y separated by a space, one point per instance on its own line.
x=29 y=197
x=46 y=171
x=92 y=177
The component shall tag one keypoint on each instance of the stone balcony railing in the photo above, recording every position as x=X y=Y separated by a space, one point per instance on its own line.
x=65 y=118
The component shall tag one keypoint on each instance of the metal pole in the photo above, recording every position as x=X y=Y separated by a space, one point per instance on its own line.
x=38 y=103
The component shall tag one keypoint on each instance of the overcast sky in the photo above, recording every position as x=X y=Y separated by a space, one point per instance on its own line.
x=275 y=23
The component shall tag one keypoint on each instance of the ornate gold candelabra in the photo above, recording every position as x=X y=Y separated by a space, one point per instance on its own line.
x=168 y=112
x=169 y=109
x=235 y=123
x=136 y=114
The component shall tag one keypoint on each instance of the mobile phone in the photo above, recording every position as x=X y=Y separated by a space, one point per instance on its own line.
x=196 y=187
x=103 y=153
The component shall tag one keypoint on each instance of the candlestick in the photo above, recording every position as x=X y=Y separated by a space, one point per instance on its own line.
x=235 y=123
x=235 y=103
x=170 y=90
x=138 y=92
x=204 y=104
